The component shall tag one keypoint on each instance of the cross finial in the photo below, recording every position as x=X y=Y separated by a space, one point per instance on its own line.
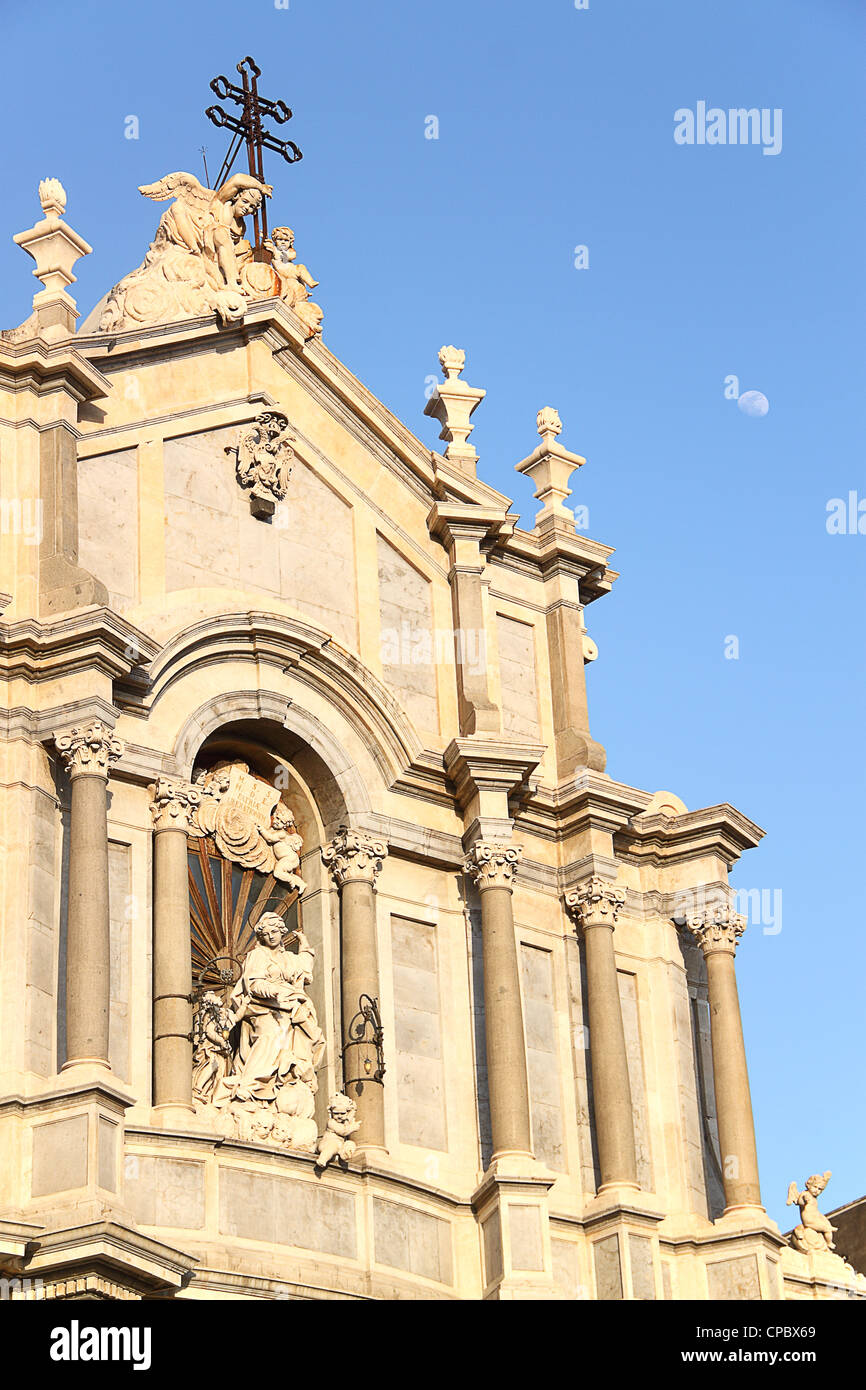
x=247 y=129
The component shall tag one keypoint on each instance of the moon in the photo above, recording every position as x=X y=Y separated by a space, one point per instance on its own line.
x=753 y=404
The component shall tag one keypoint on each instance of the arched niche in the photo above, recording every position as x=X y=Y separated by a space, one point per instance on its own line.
x=226 y=898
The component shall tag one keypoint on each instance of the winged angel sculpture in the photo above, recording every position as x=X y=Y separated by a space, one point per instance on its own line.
x=200 y=261
x=815 y=1231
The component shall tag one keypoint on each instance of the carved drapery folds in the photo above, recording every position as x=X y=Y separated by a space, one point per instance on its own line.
x=717 y=929
x=595 y=903
x=493 y=865
x=256 y=1054
x=89 y=749
x=263 y=461
x=200 y=261
x=354 y=856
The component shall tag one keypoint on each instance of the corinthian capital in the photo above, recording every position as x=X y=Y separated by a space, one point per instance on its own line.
x=493 y=865
x=172 y=805
x=89 y=749
x=717 y=929
x=596 y=903
x=354 y=856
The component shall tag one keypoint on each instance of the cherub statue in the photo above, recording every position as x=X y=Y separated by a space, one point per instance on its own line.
x=211 y=1048
x=193 y=265
x=286 y=843
x=342 y=1123
x=295 y=279
x=815 y=1233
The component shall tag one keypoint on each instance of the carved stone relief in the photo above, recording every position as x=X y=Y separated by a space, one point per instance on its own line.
x=200 y=261
x=257 y=1044
x=815 y=1231
x=263 y=461
x=249 y=822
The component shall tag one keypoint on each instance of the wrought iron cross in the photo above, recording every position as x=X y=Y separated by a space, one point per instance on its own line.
x=247 y=128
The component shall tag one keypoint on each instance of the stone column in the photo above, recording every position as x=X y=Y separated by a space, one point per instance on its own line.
x=170 y=809
x=718 y=930
x=354 y=858
x=88 y=753
x=493 y=867
x=594 y=907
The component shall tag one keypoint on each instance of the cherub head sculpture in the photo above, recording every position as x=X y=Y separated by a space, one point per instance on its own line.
x=817 y=1182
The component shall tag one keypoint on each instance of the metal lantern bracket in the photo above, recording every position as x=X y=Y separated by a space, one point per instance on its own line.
x=367 y=1018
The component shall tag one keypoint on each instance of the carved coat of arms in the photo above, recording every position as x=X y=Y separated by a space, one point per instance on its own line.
x=249 y=823
x=264 y=458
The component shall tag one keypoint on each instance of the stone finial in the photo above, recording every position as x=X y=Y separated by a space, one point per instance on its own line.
x=55 y=248
x=550 y=466
x=595 y=903
x=452 y=360
x=172 y=805
x=52 y=197
x=89 y=749
x=493 y=864
x=548 y=422
x=717 y=928
x=354 y=856
x=452 y=403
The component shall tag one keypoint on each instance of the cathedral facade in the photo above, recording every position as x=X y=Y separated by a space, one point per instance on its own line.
x=333 y=963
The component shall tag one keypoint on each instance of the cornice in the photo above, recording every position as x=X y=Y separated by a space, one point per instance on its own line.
x=664 y=840
x=90 y=639
x=590 y=800
x=474 y=764
x=561 y=553
x=147 y=1261
x=34 y=365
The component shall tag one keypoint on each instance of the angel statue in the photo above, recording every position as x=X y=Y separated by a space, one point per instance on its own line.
x=815 y=1233
x=196 y=260
x=337 y=1141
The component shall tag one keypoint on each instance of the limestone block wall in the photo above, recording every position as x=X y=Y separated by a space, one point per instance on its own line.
x=518 y=679
x=410 y=649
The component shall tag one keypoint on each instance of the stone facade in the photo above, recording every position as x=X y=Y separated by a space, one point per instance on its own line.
x=296 y=757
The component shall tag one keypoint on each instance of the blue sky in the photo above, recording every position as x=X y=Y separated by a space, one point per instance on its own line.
x=556 y=130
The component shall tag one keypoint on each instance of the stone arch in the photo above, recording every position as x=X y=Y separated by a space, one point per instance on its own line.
x=316 y=663
x=286 y=728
